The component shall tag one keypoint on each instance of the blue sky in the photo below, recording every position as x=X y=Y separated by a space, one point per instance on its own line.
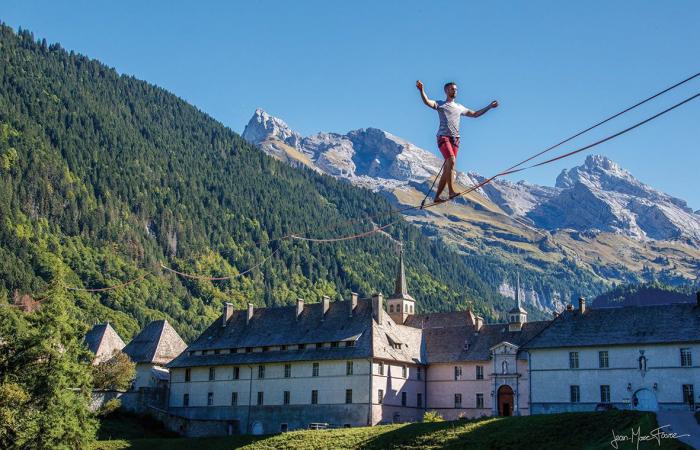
x=555 y=67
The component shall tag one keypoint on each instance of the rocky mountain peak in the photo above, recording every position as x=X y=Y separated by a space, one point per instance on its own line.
x=263 y=126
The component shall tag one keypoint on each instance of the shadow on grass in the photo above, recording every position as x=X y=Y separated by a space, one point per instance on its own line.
x=563 y=431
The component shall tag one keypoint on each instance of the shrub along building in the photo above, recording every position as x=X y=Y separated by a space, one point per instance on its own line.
x=348 y=363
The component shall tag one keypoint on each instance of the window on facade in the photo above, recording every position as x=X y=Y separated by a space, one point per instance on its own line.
x=605 y=393
x=458 y=400
x=573 y=360
x=480 y=401
x=212 y=373
x=287 y=370
x=404 y=371
x=314 y=397
x=210 y=399
x=381 y=368
x=314 y=370
x=603 y=359
x=419 y=399
x=236 y=373
x=284 y=427
x=186 y=400
x=261 y=371
x=458 y=372
x=261 y=397
x=188 y=374
x=380 y=396
x=287 y=397
x=686 y=357
x=403 y=399
x=419 y=373
x=575 y=394
x=688 y=395
x=348 y=396
x=504 y=367
x=234 y=398
x=479 y=372
x=391 y=308
x=348 y=368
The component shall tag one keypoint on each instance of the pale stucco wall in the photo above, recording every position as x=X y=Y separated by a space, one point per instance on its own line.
x=552 y=377
x=393 y=383
x=331 y=384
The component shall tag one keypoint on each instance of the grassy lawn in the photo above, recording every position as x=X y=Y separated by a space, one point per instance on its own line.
x=560 y=431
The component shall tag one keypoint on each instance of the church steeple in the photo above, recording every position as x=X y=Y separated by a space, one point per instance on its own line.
x=517 y=316
x=400 y=288
x=400 y=304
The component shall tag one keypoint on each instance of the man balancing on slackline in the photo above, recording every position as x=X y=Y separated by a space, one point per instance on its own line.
x=449 y=112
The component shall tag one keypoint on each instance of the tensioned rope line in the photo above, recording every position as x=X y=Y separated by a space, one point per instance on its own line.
x=110 y=288
x=626 y=110
x=202 y=277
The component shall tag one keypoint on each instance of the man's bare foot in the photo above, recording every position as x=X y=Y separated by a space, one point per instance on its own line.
x=437 y=200
x=453 y=195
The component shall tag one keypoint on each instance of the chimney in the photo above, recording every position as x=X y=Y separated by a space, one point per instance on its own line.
x=300 y=306
x=326 y=305
x=569 y=307
x=478 y=322
x=377 y=307
x=353 y=302
x=250 y=313
x=582 y=305
x=228 y=312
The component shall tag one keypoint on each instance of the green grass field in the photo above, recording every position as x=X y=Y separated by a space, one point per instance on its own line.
x=556 y=431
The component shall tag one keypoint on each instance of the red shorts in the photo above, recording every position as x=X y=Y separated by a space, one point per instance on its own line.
x=448 y=145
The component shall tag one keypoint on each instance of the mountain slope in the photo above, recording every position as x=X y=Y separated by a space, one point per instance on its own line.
x=104 y=176
x=598 y=225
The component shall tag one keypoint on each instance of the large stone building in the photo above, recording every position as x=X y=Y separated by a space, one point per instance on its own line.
x=369 y=361
x=638 y=357
x=348 y=363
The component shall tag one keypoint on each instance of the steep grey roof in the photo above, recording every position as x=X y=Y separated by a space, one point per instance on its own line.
x=157 y=343
x=438 y=320
x=678 y=322
x=271 y=327
x=448 y=344
x=102 y=340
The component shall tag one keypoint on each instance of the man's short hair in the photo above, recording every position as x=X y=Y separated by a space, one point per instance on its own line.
x=444 y=88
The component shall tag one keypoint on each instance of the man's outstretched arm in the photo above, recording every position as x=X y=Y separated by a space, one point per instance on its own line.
x=429 y=103
x=482 y=111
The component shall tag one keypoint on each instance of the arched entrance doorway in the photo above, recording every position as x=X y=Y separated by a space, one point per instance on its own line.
x=505 y=400
x=644 y=400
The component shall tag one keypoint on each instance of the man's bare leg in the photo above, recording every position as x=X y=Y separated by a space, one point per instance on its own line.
x=446 y=179
x=451 y=179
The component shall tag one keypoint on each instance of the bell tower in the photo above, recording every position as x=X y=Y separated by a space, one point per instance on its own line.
x=517 y=316
x=400 y=304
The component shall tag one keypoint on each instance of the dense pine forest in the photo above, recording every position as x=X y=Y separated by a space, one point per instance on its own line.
x=105 y=177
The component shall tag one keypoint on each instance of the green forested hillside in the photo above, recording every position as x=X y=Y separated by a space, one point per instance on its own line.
x=105 y=176
x=654 y=293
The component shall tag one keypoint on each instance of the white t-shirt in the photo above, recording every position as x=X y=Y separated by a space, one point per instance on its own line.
x=449 y=113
